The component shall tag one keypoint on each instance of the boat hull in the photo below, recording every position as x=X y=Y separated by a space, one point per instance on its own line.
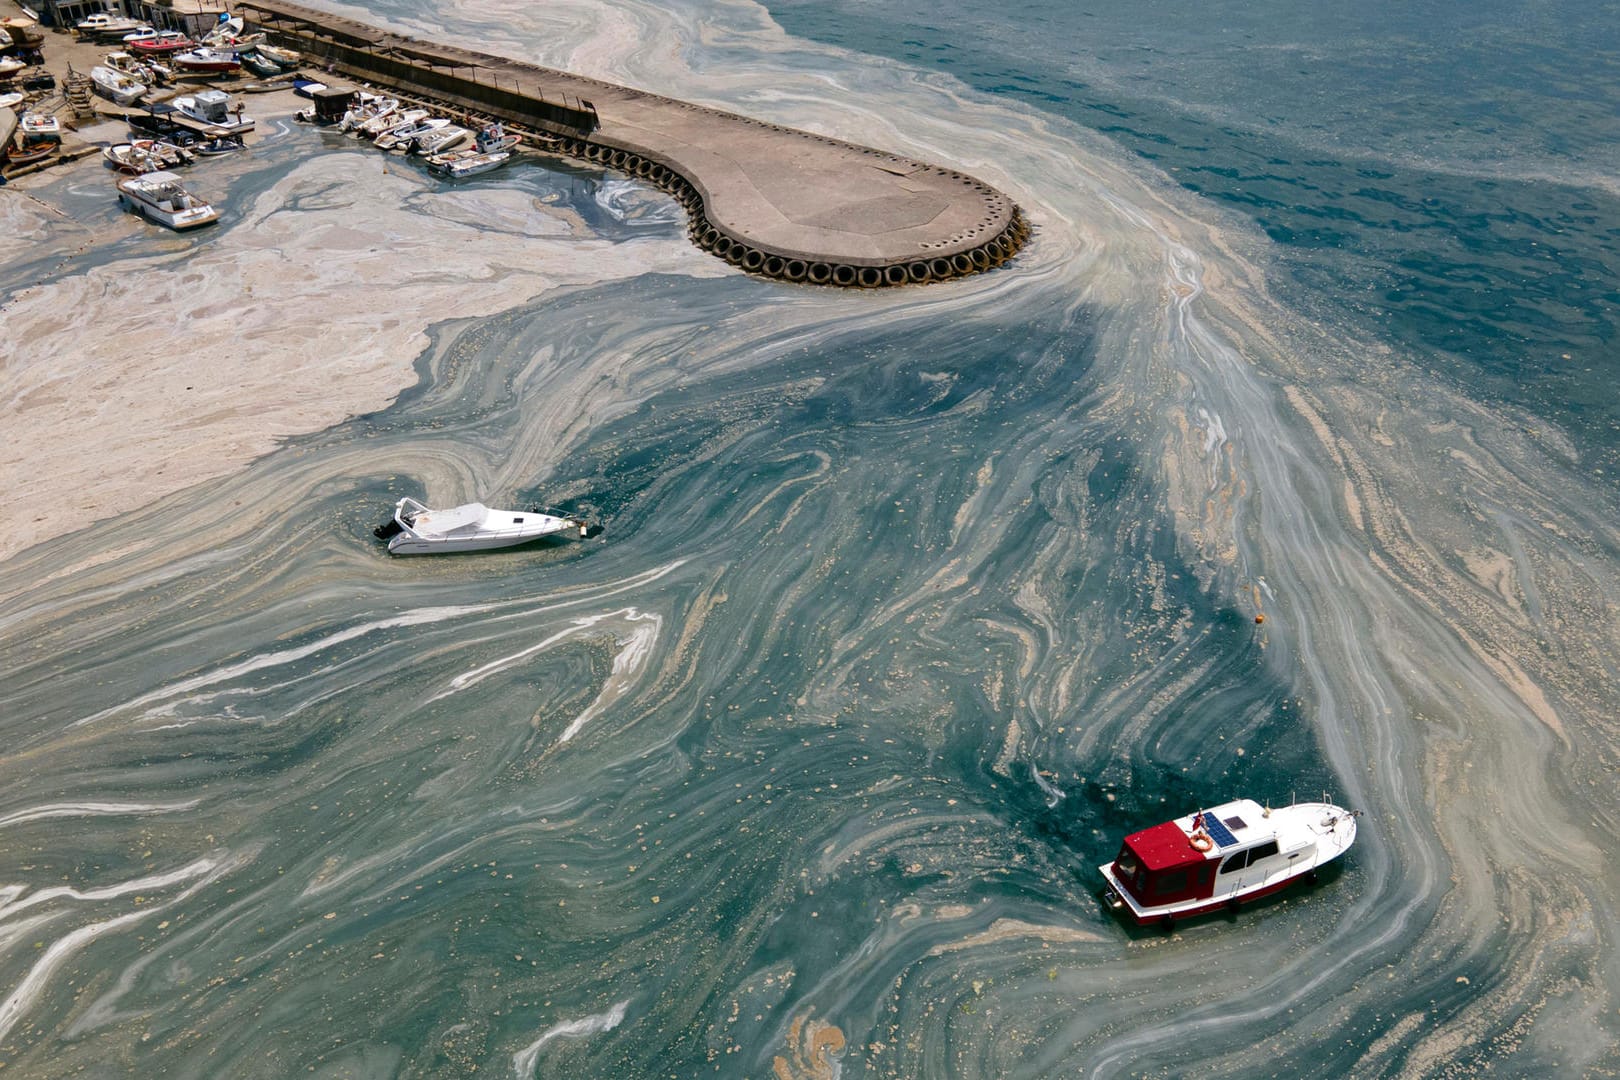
x=417 y=530
x=406 y=544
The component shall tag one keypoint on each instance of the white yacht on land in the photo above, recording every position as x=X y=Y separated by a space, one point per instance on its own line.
x=117 y=86
x=160 y=197
x=213 y=107
x=1223 y=858
x=416 y=530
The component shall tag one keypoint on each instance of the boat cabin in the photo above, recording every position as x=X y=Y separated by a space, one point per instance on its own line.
x=1193 y=857
x=331 y=102
x=211 y=107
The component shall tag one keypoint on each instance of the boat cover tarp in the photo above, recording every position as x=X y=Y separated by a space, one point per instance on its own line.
x=439 y=522
x=1164 y=847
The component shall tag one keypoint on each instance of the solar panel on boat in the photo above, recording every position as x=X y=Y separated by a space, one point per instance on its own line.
x=1218 y=832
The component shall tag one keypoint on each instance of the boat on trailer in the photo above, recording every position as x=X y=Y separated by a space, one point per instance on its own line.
x=1223 y=858
x=417 y=530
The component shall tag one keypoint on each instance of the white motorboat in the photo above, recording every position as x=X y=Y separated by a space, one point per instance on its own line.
x=13 y=98
x=110 y=83
x=141 y=33
x=9 y=66
x=416 y=530
x=1222 y=858
x=213 y=107
x=443 y=140
x=146 y=156
x=228 y=31
x=459 y=167
x=161 y=197
x=367 y=111
x=401 y=137
x=102 y=24
x=379 y=125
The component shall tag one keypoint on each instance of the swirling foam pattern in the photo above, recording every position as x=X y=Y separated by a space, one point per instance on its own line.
x=909 y=605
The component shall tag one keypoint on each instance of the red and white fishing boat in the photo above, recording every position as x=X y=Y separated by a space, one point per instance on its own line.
x=1222 y=858
x=206 y=61
x=166 y=41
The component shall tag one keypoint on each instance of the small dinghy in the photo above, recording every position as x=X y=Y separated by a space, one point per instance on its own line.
x=1223 y=858
x=416 y=530
x=146 y=156
x=442 y=140
x=284 y=57
x=401 y=138
x=469 y=163
x=382 y=125
x=225 y=144
x=18 y=155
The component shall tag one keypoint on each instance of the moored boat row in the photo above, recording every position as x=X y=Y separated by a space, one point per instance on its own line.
x=449 y=148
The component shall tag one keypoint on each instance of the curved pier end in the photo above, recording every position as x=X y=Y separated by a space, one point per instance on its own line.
x=768 y=199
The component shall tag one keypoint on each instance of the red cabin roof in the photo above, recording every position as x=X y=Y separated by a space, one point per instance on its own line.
x=1163 y=847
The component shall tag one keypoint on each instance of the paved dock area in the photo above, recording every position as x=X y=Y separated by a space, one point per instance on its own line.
x=770 y=199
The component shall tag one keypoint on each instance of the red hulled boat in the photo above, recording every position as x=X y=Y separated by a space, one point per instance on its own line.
x=1222 y=858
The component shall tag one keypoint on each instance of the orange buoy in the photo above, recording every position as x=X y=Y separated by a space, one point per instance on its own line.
x=1258 y=619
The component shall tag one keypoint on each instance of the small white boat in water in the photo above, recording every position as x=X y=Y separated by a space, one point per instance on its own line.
x=115 y=85
x=368 y=108
x=1223 y=858
x=146 y=156
x=416 y=530
x=443 y=140
x=400 y=138
x=457 y=167
x=384 y=123
x=160 y=197
x=491 y=150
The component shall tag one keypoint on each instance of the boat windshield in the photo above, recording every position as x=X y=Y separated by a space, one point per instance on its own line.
x=1125 y=863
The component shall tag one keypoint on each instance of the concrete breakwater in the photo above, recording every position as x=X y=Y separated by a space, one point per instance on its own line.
x=768 y=199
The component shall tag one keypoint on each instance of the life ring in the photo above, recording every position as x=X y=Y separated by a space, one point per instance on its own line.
x=1200 y=841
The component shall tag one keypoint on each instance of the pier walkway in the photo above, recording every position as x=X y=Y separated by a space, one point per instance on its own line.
x=769 y=199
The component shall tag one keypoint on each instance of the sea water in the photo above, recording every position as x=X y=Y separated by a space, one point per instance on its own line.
x=910 y=603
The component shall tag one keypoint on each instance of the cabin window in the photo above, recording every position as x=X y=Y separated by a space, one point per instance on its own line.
x=1125 y=863
x=1173 y=881
x=516 y=520
x=1235 y=862
x=1263 y=851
